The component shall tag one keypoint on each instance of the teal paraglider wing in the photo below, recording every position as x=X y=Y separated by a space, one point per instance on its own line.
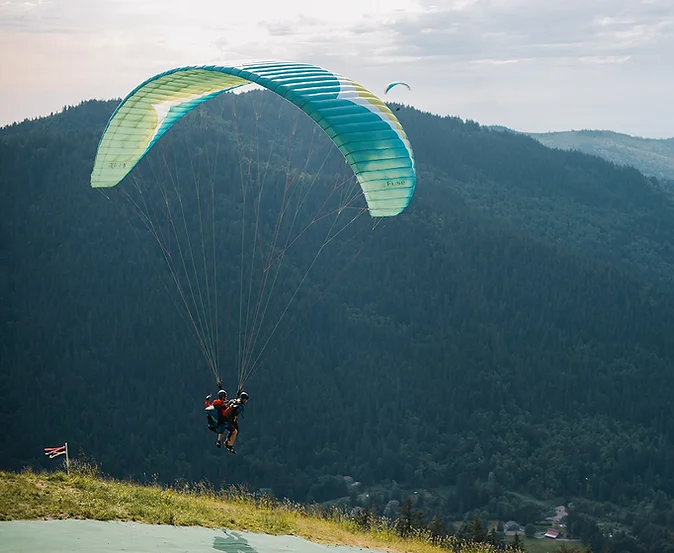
x=394 y=84
x=361 y=125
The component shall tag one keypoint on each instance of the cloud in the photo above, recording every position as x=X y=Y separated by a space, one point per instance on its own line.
x=604 y=59
x=530 y=64
x=501 y=61
x=525 y=29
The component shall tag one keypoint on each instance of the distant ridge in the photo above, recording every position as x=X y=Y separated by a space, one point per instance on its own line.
x=652 y=156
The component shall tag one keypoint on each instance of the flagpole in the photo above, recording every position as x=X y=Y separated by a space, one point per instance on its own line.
x=67 y=461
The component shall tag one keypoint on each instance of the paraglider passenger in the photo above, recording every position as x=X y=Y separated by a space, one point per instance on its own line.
x=217 y=414
x=236 y=408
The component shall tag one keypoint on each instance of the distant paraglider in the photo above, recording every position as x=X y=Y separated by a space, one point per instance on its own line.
x=394 y=84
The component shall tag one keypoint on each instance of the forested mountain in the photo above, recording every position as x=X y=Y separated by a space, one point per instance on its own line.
x=506 y=338
x=651 y=156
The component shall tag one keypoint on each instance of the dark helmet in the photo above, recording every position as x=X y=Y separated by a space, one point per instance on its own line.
x=222 y=393
x=243 y=395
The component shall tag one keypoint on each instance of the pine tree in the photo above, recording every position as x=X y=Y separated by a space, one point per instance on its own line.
x=410 y=518
x=478 y=531
x=494 y=538
x=404 y=522
x=517 y=545
x=437 y=528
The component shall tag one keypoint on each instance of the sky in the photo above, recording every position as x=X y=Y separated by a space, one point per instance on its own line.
x=531 y=65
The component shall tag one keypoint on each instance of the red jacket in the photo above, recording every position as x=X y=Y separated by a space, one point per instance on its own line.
x=221 y=406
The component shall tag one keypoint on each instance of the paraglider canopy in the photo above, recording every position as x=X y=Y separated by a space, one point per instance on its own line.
x=359 y=123
x=396 y=83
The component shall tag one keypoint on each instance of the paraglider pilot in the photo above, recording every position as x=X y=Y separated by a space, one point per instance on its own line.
x=236 y=408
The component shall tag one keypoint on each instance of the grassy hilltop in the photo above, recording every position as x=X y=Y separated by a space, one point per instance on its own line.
x=29 y=496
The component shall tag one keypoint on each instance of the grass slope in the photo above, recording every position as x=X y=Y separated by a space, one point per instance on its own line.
x=31 y=495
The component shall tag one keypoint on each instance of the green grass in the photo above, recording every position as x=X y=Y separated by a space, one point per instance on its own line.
x=29 y=496
x=546 y=545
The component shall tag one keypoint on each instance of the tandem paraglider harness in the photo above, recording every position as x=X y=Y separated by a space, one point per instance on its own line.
x=217 y=422
x=220 y=422
x=212 y=417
